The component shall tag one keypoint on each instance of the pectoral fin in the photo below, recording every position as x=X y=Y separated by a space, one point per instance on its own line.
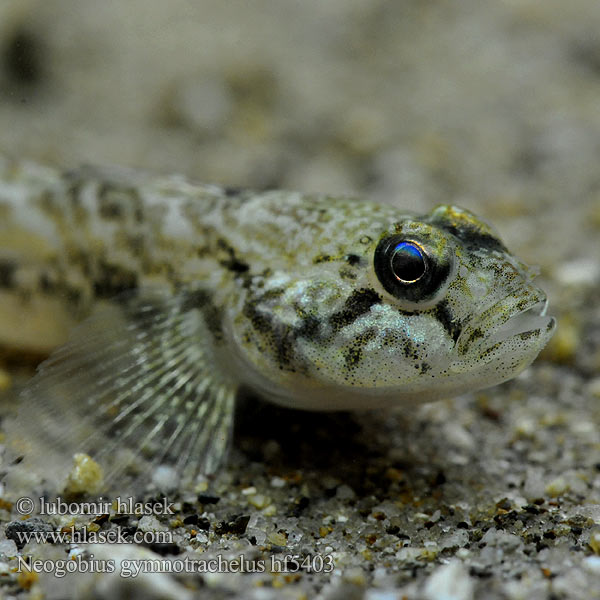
x=137 y=386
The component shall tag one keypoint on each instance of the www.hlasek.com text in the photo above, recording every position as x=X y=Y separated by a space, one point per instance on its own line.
x=72 y=535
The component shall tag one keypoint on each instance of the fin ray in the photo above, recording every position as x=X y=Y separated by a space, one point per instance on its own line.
x=136 y=383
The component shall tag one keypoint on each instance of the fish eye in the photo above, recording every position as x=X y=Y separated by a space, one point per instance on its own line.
x=409 y=271
x=408 y=262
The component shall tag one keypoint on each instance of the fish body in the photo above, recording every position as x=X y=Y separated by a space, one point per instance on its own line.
x=312 y=302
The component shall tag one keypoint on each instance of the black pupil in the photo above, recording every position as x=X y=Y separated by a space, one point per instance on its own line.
x=408 y=263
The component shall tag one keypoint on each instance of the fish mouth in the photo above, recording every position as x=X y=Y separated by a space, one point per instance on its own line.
x=499 y=324
x=527 y=323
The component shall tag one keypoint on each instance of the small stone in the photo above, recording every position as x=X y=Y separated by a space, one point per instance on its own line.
x=449 y=582
x=345 y=492
x=208 y=499
x=8 y=548
x=86 y=476
x=277 y=538
x=458 y=436
x=150 y=523
x=236 y=525
x=15 y=529
x=356 y=576
x=165 y=477
x=323 y=531
x=259 y=501
x=592 y=564
x=557 y=487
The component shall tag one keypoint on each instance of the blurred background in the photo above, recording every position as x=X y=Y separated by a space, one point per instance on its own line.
x=493 y=105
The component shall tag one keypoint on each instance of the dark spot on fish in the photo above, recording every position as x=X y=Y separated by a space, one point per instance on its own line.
x=529 y=334
x=281 y=337
x=410 y=350
x=51 y=284
x=474 y=239
x=308 y=329
x=237 y=266
x=23 y=58
x=117 y=202
x=449 y=322
x=80 y=260
x=365 y=239
x=472 y=236
x=73 y=189
x=271 y=294
x=232 y=191
x=45 y=284
x=7 y=273
x=231 y=262
x=425 y=367
x=135 y=243
x=276 y=334
x=357 y=304
x=347 y=273
x=321 y=258
x=203 y=301
x=522 y=304
x=110 y=204
x=490 y=350
x=352 y=357
x=352 y=259
x=111 y=280
x=476 y=334
x=72 y=295
x=48 y=204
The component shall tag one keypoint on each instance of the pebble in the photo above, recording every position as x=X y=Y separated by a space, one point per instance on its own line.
x=150 y=523
x=557 y=487
x=345 y=492
x=592 y=564
x=449 y=582
x=8 y=548
x=86 y=476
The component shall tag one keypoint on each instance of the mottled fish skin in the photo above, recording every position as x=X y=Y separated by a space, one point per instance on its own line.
x=289 y=279
x=295 y=290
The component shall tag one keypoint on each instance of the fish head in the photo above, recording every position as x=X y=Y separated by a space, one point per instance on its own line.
x=408 y=308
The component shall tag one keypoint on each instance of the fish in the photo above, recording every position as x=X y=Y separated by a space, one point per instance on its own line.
x=180 y=296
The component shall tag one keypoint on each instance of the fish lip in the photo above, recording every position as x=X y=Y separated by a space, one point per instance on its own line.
x=529 y=318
